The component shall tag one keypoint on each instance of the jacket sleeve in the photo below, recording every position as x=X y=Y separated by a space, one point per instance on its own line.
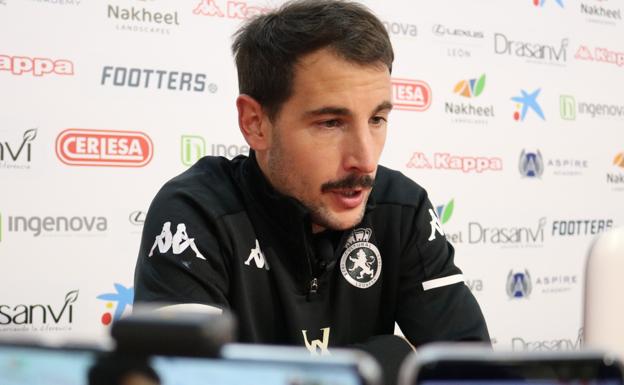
x=181 y=257
x=434 y=303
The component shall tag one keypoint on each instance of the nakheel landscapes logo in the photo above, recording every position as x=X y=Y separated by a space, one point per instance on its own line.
x=39 y=317
x=464 y=110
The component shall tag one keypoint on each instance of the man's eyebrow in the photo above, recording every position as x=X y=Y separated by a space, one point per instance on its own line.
x=330 y=110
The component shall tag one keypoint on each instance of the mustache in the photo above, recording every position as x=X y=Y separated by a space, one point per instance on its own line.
x=351 y=181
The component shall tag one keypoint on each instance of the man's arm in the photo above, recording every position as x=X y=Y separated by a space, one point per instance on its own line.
x=191 y=273
x=434 y=303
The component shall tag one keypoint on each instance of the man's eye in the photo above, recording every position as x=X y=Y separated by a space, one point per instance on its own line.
x=378 y=120
x=333 y=123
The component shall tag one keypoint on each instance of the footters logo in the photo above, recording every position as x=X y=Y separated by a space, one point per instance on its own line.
x=84 y=147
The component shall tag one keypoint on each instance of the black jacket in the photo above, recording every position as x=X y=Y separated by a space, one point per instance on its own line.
x=244 y=247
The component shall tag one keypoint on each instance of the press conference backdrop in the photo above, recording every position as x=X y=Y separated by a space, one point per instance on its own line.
x=510 y=113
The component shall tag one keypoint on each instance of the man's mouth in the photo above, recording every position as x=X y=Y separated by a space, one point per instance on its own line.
x=348 y=198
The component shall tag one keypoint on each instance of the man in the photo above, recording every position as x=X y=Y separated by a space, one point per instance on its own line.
x=308 y=241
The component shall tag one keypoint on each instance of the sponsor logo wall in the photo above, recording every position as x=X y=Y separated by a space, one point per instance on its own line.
x=516 y=135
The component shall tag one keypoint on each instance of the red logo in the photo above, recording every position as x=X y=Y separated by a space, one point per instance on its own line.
x=82 y=147
x=413 y=95
x=19 y=65
x=446 y=161
x=234 y=9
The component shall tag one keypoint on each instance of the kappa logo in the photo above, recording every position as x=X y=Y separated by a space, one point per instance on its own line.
x=234 y=10
x=177 y=242
x=360 y=264
x=258 y=257
x=318 y=347
x=435 y=225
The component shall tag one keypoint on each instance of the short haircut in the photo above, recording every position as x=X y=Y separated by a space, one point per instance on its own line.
x=267 y=47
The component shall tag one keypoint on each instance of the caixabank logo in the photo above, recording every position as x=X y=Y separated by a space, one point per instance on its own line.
x=600 y=55
x=527 y=102
x=63 y=226
x=35 y=66
x=532 y=165
x=57 y=316
x=229 y=9
x=464 y=109
x=462 y=163
x=16 y=153
x=193 y=148
x=142 y=17
x=87 y=147
x=116 y=303
x=540 y=3
x=410 y=94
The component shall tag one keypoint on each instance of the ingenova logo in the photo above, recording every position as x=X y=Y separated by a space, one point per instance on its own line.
x=54 y=225
x=85 y=147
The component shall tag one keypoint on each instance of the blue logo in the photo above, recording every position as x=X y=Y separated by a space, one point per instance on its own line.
x=519 y=284
x=525 y=102
x=540 y=3
x=123 y=297
x=531 y=164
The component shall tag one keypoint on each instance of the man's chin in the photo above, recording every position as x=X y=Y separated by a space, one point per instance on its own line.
x=338 y=221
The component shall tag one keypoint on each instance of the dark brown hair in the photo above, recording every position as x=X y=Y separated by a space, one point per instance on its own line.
x=268 y=46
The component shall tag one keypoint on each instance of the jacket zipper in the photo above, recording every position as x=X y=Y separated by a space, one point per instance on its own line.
x=314 y=282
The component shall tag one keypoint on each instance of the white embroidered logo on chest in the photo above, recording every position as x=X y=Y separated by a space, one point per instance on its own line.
x=258 y=257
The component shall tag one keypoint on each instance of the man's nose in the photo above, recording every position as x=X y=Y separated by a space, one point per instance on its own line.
x=361 y=150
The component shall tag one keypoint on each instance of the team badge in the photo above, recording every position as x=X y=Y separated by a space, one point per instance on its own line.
x=360 y=264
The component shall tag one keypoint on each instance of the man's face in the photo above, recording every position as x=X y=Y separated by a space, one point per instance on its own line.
x=328 y=137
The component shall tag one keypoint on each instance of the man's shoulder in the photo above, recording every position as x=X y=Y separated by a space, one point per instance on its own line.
x=208 y=185
x=393 y=187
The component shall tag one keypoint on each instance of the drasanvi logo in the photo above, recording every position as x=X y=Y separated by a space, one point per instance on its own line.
x=86 y=147
x=229 y=9
x=18 y=155
x=446 y=161
x=37 y=66
x=531 y=164
x=121 y=300
x=519 y=284
x=39 y=317
x=193 y=148
x=507 y=236
x=532 y=52
x=600 y=54
x=413 y=95
x=525 y=102
x=557 y=344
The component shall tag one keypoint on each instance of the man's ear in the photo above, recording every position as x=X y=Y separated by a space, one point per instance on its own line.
x=253 y=122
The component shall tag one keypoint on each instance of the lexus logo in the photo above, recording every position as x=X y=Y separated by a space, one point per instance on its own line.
x=137 y=218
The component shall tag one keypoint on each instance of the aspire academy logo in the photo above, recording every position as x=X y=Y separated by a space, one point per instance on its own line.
x=408 y=94
x=116 y=302
x=37 y=66
x=86 y=147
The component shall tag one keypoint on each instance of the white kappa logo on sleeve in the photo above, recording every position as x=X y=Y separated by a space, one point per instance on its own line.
x=177 y=242
x=435 y=225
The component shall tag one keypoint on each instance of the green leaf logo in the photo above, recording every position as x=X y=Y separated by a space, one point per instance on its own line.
x=480 y=85
x=448 y=211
